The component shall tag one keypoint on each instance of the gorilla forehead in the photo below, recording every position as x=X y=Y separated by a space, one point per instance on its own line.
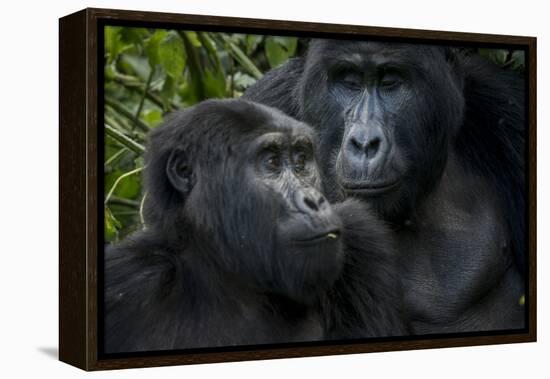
x=230 y=122
x=361 y=53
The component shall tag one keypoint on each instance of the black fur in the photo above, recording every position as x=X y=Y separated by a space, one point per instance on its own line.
x=214 y=266
x=366 y=299
x=455 y=123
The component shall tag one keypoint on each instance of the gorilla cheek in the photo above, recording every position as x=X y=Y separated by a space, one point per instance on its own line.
x=340 y=166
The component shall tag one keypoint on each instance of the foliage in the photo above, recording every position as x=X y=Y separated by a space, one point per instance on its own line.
x=511 y=59
x=152 y=72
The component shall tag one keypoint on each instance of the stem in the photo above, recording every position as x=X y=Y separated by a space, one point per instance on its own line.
x=212 y=55
x=142 y=101
x=115 y=184
x=194 y=65
x=126 y=113
x=133 y=84
x=122 y=201
x=241 y=57
x=232 y=78
x=115 y=119
x=123 y=139
x=124 y=213
x=141 y=205
x=115 y=156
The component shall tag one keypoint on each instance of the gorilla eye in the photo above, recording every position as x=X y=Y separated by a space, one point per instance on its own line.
x=390 y=80
x=274 y=162
x=352 y=79
x=300 y=162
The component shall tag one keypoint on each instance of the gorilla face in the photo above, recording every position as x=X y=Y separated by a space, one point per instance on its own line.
x=308 y=252
x=254 y=196
x=391 y=126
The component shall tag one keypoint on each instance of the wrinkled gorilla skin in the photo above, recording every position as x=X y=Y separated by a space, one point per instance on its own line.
x=240 y=246
x=434 y=140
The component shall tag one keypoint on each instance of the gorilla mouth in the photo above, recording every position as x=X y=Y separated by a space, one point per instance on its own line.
x=330 y=235
x=370 y=188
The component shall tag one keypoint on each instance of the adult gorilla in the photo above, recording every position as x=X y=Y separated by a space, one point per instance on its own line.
x=240 y=247
x=434 y=140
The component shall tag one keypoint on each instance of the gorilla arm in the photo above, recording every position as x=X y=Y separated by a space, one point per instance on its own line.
x=142 y=296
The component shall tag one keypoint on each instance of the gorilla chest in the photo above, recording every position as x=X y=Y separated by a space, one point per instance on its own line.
x=451 y=257
x=251 y=324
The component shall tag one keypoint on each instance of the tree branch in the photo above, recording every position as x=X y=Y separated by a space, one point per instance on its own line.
x=117 y=106
x=133 y=84
x=145 y=90
x=123 y=139
x=115 y=184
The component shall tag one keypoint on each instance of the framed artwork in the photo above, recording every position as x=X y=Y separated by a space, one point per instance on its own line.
x=239 y=189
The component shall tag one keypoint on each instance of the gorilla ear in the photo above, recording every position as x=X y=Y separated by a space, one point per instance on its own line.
x=179 y=173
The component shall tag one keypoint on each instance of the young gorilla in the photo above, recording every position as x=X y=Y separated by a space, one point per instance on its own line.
x=240 y=247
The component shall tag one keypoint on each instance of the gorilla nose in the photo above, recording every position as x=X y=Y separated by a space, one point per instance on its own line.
x=367 y=146
x=310 y=200
x=365 y=142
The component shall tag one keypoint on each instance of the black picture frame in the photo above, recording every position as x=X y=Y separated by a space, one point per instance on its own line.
x=81 y=187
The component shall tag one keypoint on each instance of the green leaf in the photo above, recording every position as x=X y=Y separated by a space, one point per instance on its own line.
x=134 y=36
x=214 y=84
x=152 y=46
x=243 y=81
x=113 y=43
x=187 y=93
x=111 y=225
x=279 y=49
x=172 y=54
x=517 y=60
x=289 y=44
x=497 y=56
x=168 y=89
x=274 y=52
x=129 y=187
x=193 y=38
x=136 y=65
x=252 y=42
x=153 y=117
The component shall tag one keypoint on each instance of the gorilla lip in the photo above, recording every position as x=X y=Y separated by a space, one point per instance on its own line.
x=328 y=235
x=370 y=188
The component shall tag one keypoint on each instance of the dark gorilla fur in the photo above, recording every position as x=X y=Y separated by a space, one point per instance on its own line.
x=443 y=132
x=210 y=268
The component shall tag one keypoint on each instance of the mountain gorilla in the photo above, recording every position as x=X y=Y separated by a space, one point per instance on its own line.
x=240 y=246
x=433 y=139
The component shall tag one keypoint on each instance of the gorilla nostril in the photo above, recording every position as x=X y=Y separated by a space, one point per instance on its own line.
x=311 y=204
x=374 y=144
x=372 y=147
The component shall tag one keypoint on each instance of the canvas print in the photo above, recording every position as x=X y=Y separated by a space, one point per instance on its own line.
x=264 y=190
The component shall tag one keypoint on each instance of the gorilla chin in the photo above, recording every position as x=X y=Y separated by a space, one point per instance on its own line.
x=315 y=253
